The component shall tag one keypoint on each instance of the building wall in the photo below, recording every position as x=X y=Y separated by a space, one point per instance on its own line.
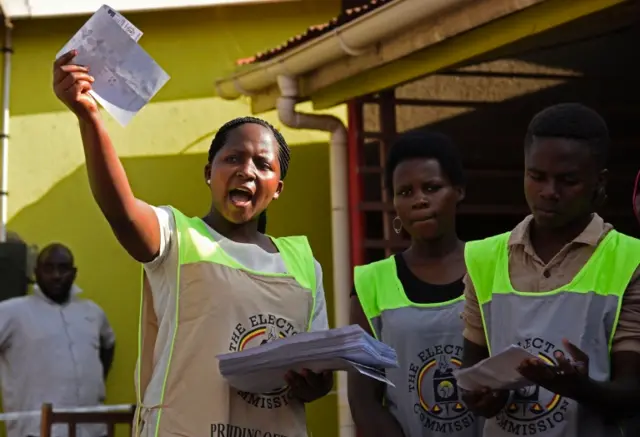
x=163 y=150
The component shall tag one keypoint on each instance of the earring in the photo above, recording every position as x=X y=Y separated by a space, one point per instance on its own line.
x=397 y=225
x=208 y=181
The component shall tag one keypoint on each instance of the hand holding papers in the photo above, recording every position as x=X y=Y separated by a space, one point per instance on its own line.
x=126 y=77
x=263 y=368
x=498 y=372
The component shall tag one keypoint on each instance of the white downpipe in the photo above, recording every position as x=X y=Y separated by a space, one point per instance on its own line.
x=4 y=135
x=350 y=39
x=339 y=217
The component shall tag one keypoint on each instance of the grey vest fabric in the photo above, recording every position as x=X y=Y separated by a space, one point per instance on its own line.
x=426 y=400
x=539 y=323
x=584 y=311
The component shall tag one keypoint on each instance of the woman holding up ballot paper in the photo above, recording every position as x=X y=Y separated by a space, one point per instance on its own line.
x=412 y=301
x=211 y=285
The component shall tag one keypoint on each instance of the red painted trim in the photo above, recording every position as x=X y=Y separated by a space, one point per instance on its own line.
x=356 y=217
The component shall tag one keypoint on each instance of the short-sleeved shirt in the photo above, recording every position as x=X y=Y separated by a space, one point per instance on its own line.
x=161 y=272
x=51 y=353
x=529 y=273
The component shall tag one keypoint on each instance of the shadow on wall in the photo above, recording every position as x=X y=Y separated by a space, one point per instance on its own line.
x=68 y=214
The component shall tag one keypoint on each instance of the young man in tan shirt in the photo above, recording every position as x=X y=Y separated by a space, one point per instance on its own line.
x=564 y=182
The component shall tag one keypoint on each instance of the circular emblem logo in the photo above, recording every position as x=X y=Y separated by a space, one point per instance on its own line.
x=261 y=329
x=533 y=402
x=439 y=405
x=437 y=389
x=534 y=408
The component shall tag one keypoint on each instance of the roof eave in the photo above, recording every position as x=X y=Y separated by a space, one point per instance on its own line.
x=351 y=39
x=441 y=43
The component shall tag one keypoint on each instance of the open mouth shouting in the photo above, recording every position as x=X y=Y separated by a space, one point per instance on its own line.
x=241 y=196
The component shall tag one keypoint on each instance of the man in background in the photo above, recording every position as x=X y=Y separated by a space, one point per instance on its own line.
x=54 y=347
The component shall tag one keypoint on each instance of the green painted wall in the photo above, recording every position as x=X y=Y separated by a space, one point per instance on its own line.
x=163 y=150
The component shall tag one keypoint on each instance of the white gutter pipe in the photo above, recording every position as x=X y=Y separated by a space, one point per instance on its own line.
x=352 y=39
x=4 y=134
x=339 y=217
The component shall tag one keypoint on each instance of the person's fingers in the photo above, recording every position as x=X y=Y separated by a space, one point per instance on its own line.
x=473 y=397
x=564 y=365
x=576 y=353
x=65 y=59
x=72 y=71
x=526 y=367
x=313 y=380
x=531 y=363
x=77 y=89
x=536 y=371
x=297 y=381
x=59 y=75
x=581 y=368
x=74 y=78
x=83 y=87
x=74 y=68
x=289 y=377
x=490 y=403
x=484 y=401
x=469 y=398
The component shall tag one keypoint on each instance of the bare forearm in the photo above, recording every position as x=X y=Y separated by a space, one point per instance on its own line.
x=106 y=358
x=371 y=417
x=107 y=177
x=473 y=353
x=133 y=221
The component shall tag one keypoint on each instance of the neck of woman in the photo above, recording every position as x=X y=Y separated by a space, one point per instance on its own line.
x=246 y=232
x=436 y=248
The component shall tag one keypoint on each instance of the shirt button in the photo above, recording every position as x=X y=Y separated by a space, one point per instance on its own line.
x=546 y=273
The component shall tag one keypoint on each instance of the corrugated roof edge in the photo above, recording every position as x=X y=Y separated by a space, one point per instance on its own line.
x=313 y=32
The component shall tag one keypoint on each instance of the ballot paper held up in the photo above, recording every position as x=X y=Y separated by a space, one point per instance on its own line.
x=262 y=369
x=498 y=372
x=125 y=24
x=126 y=77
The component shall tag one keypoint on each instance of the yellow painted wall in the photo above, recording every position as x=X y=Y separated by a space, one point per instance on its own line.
x=163 y=150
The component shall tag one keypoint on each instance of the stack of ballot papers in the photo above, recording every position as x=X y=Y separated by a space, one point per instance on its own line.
x=498 y=372
x=262 y=369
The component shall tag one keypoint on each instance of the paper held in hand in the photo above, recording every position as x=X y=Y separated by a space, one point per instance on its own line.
x=126 y=77
x=498 y=372
x=262 y=369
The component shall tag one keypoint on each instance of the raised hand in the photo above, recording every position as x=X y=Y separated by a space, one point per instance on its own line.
x=568 y=378
x=71 y=84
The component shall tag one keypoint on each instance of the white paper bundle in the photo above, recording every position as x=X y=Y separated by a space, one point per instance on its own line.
x=262 y=368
